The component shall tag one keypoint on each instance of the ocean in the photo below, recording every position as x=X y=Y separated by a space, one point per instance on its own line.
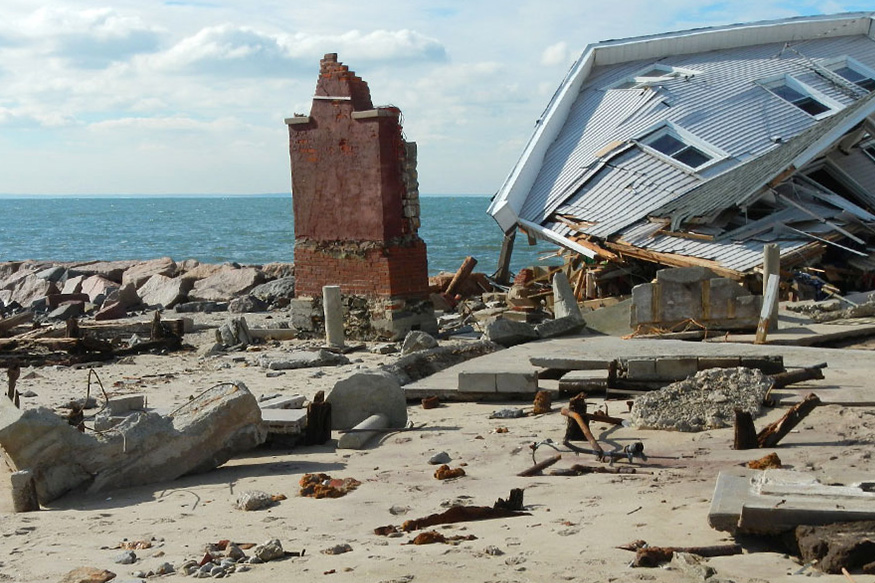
x=250 y=229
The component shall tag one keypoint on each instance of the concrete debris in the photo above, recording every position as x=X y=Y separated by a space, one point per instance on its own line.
x=424 y=363
x=706 y=400
x=564 y=302
x=362 y=394
x=777 y=501
x=508 y=332
x=145 y=448
x=257 y=500
x=358 y=436
x=440 y=458
x=417 y=340
x=302 y=359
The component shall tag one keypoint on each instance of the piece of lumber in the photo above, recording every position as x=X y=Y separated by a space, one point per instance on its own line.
x=461 y=275
x=672 y=259
x=767 y=315
x=773 y=433
x=538 y=467
x=461 y=514
x=11 y=322
x=745 y=432
x=318 y=421
x=655 y=556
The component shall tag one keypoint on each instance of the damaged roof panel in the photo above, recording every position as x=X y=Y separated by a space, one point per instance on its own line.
x=679 y=145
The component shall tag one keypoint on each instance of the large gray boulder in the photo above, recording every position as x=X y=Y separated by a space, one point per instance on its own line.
x=141 y=272
x=367 y=393
x=226 y=284
x=161 y=290
x=278 y=291
x=417 y=340
x=145 y=448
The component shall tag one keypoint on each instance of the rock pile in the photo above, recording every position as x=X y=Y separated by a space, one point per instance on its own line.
x=111 y=289
x=706 y=400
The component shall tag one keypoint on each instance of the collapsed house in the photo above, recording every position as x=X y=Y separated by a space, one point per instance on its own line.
x=698 y=148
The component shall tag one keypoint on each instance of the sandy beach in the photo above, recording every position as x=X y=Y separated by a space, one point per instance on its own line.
x=571 y=532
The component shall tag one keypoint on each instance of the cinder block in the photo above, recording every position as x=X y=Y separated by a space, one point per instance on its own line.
x=516 y=382
x=122 y=405
x=719 y=362
x=641 y=369
x=477 y=382
x=676 y=369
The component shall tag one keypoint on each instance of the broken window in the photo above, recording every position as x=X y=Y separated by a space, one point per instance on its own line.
x=805 y=98
x=670 y=142
x=853 y=71
x=652 y=75
x=856 y=78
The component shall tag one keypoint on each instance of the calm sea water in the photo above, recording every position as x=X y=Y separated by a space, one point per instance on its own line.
x=216 y=229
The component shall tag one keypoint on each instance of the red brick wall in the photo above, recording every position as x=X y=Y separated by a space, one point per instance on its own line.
x=396 y=271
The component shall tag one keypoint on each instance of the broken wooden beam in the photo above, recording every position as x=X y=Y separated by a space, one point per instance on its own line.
x=461 y=275
x=771 y=434
x=11 y=322
x=745 y=432
x=647 y=556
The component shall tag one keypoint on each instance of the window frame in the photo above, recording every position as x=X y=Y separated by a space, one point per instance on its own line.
x=653 y=133
x=638 y=80
x=852 y=64
x=787 y=80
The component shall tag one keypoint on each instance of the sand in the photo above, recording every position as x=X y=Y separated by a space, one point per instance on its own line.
x=571 y=533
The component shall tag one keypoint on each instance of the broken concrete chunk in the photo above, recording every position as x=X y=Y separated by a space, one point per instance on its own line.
x=302 y=359
x=278 y=292
x=509 y=333
x=269 y=551
x=363 y=394
x=563 y=326
x=145 y=448
x=234 y=332
x=417 y=340
x=160 y=290
x=359 y=436
x=564 y=301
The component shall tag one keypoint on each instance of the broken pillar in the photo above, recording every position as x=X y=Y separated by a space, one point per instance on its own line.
x=333 y=310
x=356 y=204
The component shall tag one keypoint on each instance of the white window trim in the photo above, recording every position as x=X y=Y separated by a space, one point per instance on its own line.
x=671 y=73
x=832 y=105
x=850 y=63
x=667 y=127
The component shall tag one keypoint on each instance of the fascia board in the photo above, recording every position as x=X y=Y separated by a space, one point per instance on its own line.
x=517 y=185
x=555 y=238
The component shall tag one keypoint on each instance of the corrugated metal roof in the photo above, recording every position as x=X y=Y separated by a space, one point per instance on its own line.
x=722 y=105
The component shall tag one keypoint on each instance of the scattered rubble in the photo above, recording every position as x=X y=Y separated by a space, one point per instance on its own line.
x=707 y=400
x=324 y=486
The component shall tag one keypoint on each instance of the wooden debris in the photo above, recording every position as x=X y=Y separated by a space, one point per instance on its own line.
x=7 y=324
x=575 y=412
x=838 y=547
x=807 y=373
x=318 y=420
x=461 y=275
x=770 y=435
x=745 y=431
x=647 y=556
x=581 y=470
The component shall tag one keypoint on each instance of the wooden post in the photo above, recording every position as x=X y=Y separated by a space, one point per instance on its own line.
x=771 y=266
x=745 y=432
x=502 y=276
x=770 y=298
x=461 y=275
x=318 y=420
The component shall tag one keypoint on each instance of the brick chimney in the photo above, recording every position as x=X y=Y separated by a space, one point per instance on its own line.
x=355 y=194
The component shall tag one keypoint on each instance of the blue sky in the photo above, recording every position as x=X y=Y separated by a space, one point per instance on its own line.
x=177 y=97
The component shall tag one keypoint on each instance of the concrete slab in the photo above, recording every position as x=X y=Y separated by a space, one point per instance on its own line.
x=283 y=402
x=516 y=382
x=284 y=421
x=476 y=382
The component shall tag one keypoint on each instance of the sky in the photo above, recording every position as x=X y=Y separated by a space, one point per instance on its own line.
x=189 y=96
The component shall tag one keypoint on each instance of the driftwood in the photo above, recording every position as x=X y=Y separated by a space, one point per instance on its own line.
x=771 y=434
x=581 y=470
x=467 y=514
x=11 y=322
x=647 y=556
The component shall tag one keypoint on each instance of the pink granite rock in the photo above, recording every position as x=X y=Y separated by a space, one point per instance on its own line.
x=140 y=273
x=226 y=284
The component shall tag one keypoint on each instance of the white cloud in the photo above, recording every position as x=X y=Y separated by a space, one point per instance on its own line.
x=555 y=54
x=198 y=90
